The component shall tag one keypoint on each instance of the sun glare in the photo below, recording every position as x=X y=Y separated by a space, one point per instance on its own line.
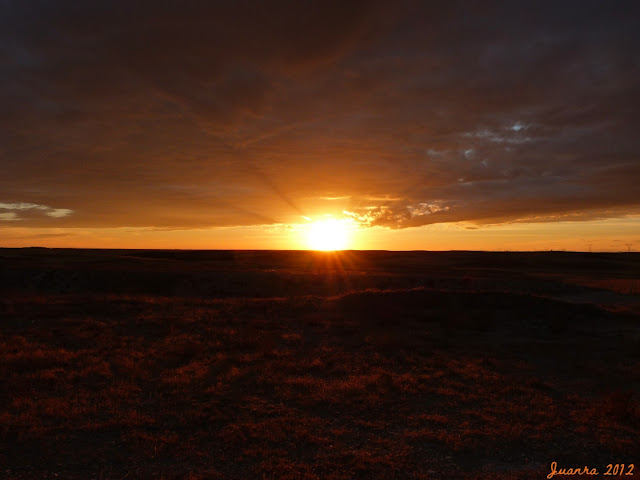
x=328 y=235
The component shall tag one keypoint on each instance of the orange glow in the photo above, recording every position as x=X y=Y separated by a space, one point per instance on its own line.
x=611 y=235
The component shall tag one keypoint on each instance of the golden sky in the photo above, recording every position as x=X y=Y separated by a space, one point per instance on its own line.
x=464 y=125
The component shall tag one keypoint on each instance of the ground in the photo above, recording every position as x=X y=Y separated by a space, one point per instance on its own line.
x=122 y=364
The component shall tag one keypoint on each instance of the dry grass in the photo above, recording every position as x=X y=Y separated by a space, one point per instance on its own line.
x=407 y=384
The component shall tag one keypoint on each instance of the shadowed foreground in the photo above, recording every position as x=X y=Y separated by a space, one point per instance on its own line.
x=299 y=365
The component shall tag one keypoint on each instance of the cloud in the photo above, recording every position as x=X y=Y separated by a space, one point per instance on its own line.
x=400 y=214
x=9 y=216
x=509 y=135
x=59 y=212
x=160 y=115
x=19 y=210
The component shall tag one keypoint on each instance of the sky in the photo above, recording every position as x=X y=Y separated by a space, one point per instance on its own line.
x=417 y=125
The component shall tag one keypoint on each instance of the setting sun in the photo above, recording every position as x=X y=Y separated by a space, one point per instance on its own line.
x=328 y=235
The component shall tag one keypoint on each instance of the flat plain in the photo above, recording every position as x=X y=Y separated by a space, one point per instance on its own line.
x=136 y=364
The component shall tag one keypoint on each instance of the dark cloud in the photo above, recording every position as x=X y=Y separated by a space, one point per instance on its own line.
x=199 y=114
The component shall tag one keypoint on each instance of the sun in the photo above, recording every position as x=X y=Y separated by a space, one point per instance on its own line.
x=328 y=235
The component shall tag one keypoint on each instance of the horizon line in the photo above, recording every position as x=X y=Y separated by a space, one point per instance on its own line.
x=35 y=247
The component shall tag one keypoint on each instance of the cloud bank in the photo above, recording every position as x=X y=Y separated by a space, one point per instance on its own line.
x=166 y=115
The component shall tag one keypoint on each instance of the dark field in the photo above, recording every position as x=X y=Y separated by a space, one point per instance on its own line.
x=299 y=365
